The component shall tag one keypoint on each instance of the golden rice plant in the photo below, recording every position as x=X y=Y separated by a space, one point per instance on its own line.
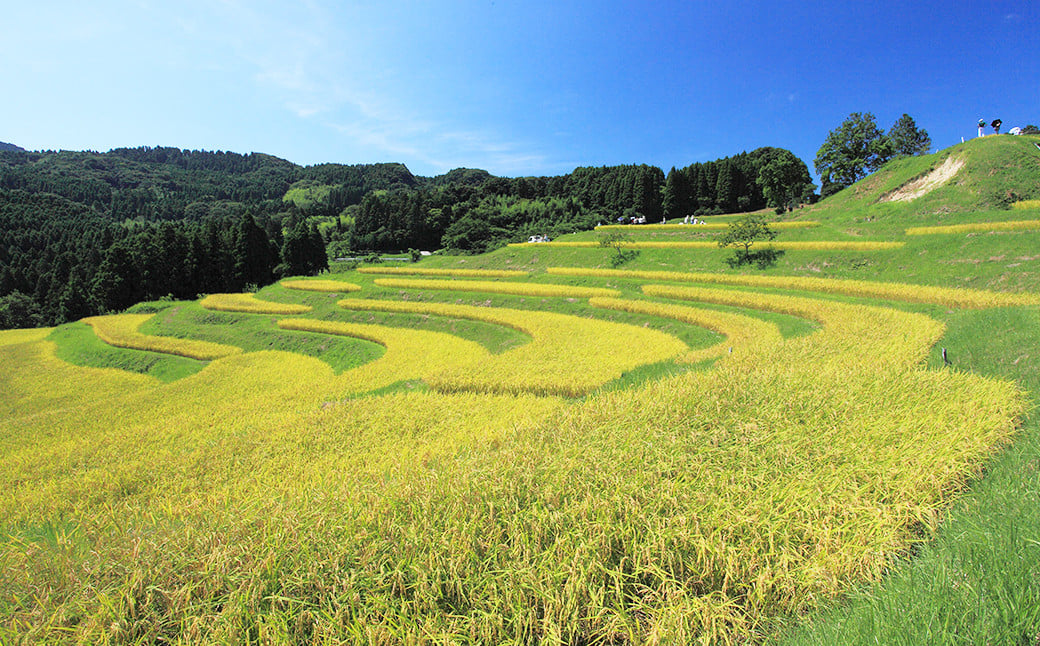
x=790 y=492
x=321 y=285
x=948 y=296
x=794 y=245
x=120 y=330
x=696 y=509
x=514 y=289
x=11 y=337
x=410 y=354
x=845 y=325
x=1026 y=204
x=252 y=499
x=565 y=357
x=707 y=226
x=249 y=304
x=745 y=333
x=455 y=273
x=971 y=227
x=34 y=381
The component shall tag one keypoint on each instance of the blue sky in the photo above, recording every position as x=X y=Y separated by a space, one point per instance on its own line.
x=517 y=88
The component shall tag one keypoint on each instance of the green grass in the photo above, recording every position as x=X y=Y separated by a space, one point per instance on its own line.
x=77 y=344
x=253 y=332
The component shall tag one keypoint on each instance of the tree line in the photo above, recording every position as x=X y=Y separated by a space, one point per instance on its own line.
x=83 y=233
x=473 y=218
x=772 y=177
x=858 y=147
x=74 y=263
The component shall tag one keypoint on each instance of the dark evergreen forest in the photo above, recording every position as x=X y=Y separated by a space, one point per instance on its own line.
x=83 y=233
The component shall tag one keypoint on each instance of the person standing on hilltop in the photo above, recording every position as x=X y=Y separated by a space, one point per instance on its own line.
x=996 y=126
x=982 y=125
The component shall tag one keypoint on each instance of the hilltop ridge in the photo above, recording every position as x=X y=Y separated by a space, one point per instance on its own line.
x=997 y=171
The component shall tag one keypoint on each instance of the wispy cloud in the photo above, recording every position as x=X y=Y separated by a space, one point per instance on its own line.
x=325 y=76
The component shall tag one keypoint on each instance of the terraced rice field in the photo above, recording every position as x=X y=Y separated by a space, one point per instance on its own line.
x=250 y=304
x=784 y=245
x=321 y=285
x=976 y=227
x=601 y=482
x=120 y=330
x=707 y=226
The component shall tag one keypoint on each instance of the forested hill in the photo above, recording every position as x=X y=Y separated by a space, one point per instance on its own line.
x=169 y=183
x=4 y=147
x=87 y=232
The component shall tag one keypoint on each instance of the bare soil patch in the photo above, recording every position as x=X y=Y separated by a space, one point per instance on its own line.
x=922 y=185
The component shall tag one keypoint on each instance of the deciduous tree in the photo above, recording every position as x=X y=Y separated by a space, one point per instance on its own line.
x=743 y=235
x=784 y=180
x=853 y=151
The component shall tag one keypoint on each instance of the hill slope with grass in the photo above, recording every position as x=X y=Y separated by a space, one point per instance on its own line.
x=543 y=445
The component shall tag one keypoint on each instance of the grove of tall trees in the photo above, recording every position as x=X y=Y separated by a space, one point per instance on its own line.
x=83 y=233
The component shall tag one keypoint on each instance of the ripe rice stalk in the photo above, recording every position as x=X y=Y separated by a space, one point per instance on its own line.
x=248 y=303
x=515 y=289
x=410 y=354
x=707 y=226
x=35 y=381
x=742 y=332
x=565 y=357
x=455 y=273
x=321 y=285
x=252 y=499
x=12 y=337
x=971 y=227
x=948 y=296
x=846 y=326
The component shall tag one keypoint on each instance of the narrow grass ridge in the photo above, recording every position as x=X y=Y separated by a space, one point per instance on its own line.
x=120 y=331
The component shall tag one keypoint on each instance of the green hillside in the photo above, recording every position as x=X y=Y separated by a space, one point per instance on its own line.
x=549 y=443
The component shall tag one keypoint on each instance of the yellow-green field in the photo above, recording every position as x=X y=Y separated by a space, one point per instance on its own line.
x=120 y=330
x=496 y=497
x=795 y=245
x=707 y=226
x=533 y=449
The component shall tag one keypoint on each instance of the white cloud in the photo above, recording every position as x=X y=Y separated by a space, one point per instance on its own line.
x=320 y=64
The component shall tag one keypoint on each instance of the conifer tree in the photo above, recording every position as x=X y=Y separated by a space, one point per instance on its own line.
x=74 y=302
x=252 y=255
x=907 y=139
x=672 y=197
